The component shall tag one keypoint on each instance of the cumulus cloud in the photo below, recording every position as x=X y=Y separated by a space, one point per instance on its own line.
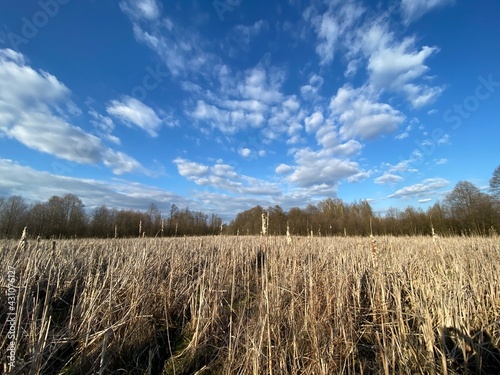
x=121 y=163
x=245 y=152
x=259 y=84
x=397 y=65
x=315 y=168
x=223 y=177
x=228 y=121
x=311 y=90
x=236 y=100
x=314 y=121
x=349 y=148
x=393 y=64
x=252 y=99
x=360 y=115
x=190 y=169
x=283 y=169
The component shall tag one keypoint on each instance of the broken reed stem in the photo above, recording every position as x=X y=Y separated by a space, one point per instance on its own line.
x=102 y=363
x=265 y=223
x=23 y=242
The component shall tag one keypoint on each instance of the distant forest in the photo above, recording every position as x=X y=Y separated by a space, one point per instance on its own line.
x=466 y=210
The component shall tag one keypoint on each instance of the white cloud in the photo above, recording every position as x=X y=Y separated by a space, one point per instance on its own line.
x=23 y=86
x=262 y=85
x=244 y=105
x=35 y=185
x=424 y=200
x=190 y=169
x=243 y=34
x=349 y=148
x=332 y=26
x=41 y=185
x=444 y=140
x=182 y=50
x=388 y=178
x=34 y=110
x=226 y=120
x=105 y=127
x=358 y=177
x=361 y=116
x=404 y=165
x=291 y=104
x=421 y=95
x=352 y=68
x=133 y=112
x=104 y=123
x=245 y=152
x=141 y=9
x=11 y=55
x=311 y=90
x=403 y=135
x=414 y=9
x=249 y=99
x=440 y=161
x=121 y=163
x=284 y=119
x=425 y=188
x=314 y=121
x=395 y=65
x=320 y=169
x=223 y=177
x=326 y=134
x=283 y=169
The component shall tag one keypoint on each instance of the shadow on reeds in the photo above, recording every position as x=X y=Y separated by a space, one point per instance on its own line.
x=259 y=260
x=366 y=350
x=470 y=354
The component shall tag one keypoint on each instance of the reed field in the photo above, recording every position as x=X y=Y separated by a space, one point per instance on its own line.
x=251 y=305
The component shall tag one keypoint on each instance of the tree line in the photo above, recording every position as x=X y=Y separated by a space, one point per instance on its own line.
x=466 y=210
x=67 y=217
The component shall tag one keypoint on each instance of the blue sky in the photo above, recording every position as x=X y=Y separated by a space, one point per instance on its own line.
x=223 y=105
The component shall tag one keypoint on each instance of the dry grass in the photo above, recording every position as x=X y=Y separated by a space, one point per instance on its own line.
x=255 y=305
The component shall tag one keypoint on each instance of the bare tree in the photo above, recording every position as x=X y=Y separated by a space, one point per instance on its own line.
x=472 y=210
x=495 y=183
x=13 y=216
x=66 y=215
x=102 y=222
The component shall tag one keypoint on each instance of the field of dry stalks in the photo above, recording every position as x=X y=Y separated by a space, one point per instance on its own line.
x=251 y=305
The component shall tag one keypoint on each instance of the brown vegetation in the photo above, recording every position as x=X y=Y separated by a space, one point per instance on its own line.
x=255 y=305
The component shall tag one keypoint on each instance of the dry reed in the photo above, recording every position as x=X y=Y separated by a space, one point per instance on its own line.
x=256 y=305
